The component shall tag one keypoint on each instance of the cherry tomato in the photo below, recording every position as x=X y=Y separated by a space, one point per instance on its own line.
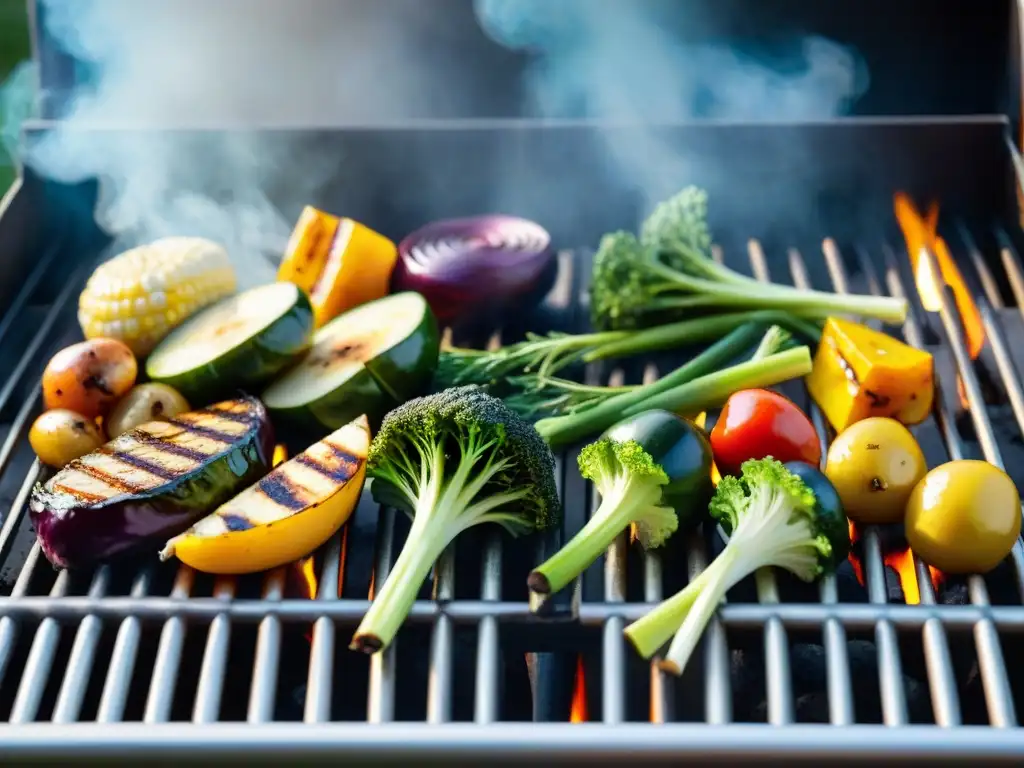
x=756 y=423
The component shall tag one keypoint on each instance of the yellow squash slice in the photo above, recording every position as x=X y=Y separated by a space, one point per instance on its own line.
x=860 y=372
x=286 y=515
x=339 y=262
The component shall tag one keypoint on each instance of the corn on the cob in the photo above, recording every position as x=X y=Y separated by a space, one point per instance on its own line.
x=340 y=263
x=142 y=294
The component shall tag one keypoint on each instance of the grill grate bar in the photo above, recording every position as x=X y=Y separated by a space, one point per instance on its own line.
x=40 y=661
x=894 y=702
x=168 y=654
x=938 y=661
x=488 y=653
x=83 y=653
x=319 y=686
x=15 y=308
x=439 y=687
x=717 y=683
x=122 y=660
x=840 y=695
x=776 y=643
x=998 y=696
x=662 y=706
x=268 y=654
x=211 y=676
x=36 y=345
x=380 y=707
x=469 y=612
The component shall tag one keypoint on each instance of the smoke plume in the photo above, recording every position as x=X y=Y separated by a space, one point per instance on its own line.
x=196 y=65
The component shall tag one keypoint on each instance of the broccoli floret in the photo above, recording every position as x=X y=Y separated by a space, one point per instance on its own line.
x=773 y=518
x=649 y=470
x=452 y=460
x=668 y=273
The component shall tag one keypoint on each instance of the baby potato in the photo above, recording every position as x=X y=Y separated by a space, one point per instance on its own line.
x=89 y=377
x=146 y=402
x=964 y=517
x=60 y=436
x=874 y=466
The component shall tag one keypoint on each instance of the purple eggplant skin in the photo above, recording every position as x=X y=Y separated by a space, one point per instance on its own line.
x=151 y=483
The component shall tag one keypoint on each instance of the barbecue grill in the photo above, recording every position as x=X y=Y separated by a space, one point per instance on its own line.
x=885 y=660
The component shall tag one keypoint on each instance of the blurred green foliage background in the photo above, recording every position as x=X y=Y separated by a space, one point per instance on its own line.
x=14 y=48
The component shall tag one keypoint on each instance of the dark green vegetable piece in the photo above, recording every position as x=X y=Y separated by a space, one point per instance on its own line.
x=773 y=518
x=653 y=472
x=452 y=460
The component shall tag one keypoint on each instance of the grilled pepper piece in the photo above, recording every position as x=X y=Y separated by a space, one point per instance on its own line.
x=151 y=483
x=339 y=262
x=859 y=372
x=141 y=295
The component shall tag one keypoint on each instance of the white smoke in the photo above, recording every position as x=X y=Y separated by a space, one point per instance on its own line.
x=262 y=67
x=624 y=60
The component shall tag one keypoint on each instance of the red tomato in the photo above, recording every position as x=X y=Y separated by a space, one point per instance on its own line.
x=756 y=423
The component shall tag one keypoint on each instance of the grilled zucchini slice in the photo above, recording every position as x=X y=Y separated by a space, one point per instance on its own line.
x=366 y=361
x=151 y=482
x=238 y=343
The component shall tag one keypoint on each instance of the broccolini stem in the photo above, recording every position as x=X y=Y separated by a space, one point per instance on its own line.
x=698 y=330
x=395 y=599
x=884 y=308
x=657 y=627
x=703 y=608
x=714 y=389
x=615 y=513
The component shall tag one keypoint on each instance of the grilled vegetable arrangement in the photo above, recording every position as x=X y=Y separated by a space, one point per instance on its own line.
x=151 y=483
x=338 y=262
x=285 y=515
x=144 y=293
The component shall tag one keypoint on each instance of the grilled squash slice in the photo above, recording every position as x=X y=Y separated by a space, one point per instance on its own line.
x=284 y=516
x=151 y=482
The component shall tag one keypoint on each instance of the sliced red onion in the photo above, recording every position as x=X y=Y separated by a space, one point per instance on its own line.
x=459 y=264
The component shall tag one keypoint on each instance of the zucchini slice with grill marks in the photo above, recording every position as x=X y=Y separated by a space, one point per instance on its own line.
x=238 y=343
x=366 y=361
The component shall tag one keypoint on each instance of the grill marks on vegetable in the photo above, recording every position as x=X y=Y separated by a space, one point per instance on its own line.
x=154 y=454
x=297 y=485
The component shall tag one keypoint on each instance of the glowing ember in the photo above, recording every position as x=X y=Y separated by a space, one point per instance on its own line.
x=921 y=237
x=578 y=713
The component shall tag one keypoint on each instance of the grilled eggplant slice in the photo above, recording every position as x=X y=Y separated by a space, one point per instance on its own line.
x=151 y=482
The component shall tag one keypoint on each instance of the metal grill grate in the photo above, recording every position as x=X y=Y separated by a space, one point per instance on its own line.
x=156 y=644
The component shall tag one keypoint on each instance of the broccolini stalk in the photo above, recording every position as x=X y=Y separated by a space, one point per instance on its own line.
x=451 y=460
x=702 y=383
x=670 y=273
x=653 y=472
x=773 y=518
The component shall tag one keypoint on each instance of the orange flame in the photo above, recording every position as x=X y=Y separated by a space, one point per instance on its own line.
x=902 y=562
x=578 y=713
x=921 y=237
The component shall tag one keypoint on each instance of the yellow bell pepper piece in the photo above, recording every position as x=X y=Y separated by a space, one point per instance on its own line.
x=859 y=372
x=339 y=262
